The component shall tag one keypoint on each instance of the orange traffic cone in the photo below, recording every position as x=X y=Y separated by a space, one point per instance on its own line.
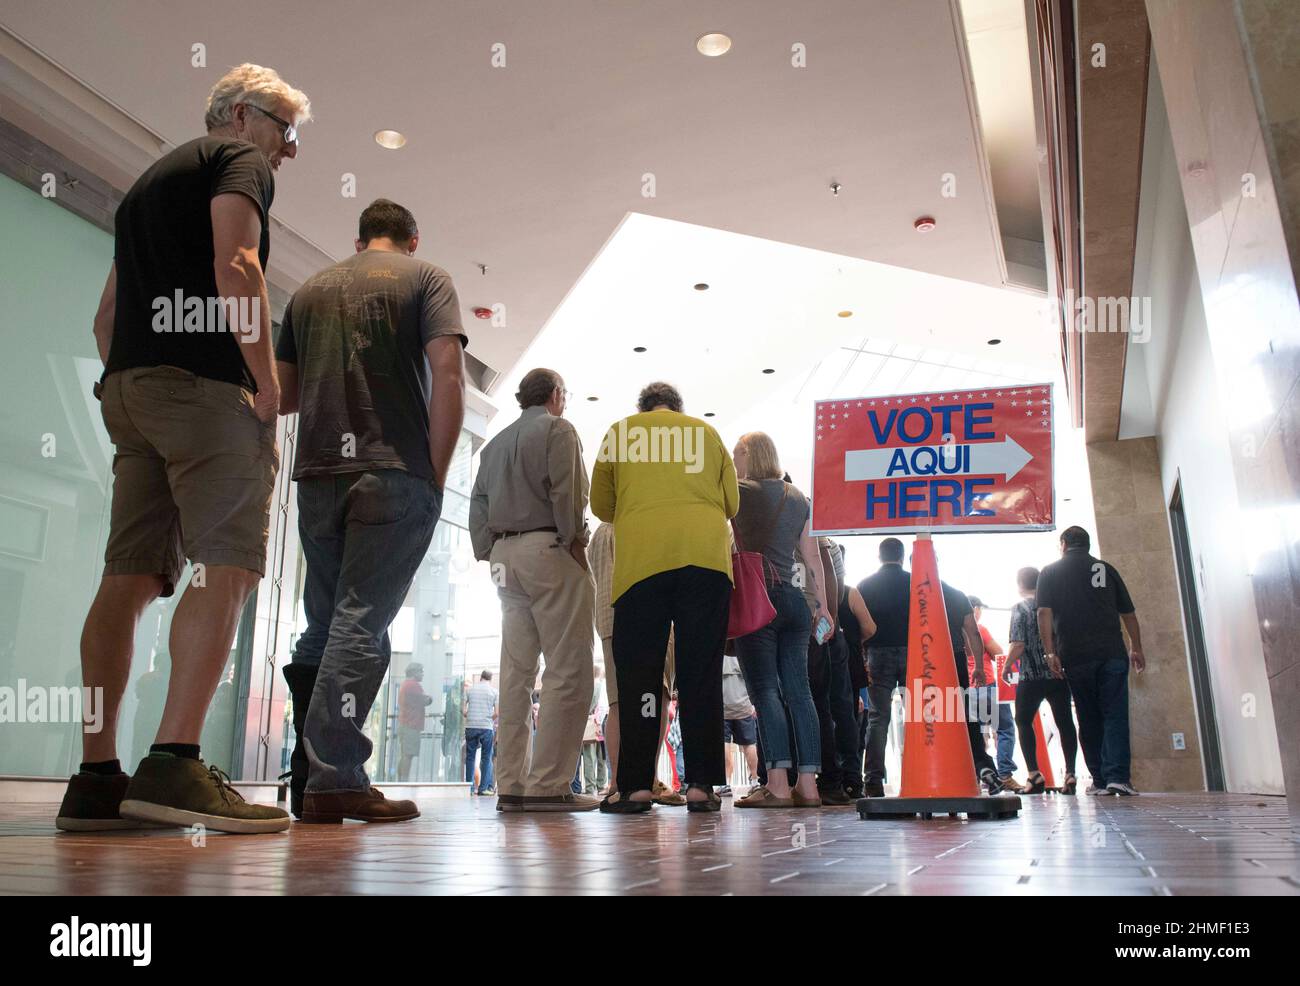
x=1040 y=742
x=938 y=768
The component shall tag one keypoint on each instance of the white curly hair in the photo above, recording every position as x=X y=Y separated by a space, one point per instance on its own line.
x=255 y=84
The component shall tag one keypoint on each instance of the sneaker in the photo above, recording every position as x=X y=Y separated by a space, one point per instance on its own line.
x=873 y=789
x=331 y=807
x=1122 y=788
x=854 y=791
x=1009 y=783
x=989 y=778
x=1096 y=791
x=724 y=791
x=92 y=802
x=172 y=790
x=568 y=801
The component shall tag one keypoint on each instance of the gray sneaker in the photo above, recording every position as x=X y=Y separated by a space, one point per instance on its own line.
x=568 y=801
x=1122 y=788
x=1096 y=791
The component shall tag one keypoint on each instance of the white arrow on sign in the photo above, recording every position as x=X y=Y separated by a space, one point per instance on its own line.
x=1005 y=458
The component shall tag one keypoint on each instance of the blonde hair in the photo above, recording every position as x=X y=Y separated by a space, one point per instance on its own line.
x=763 y=460
x=258 y=86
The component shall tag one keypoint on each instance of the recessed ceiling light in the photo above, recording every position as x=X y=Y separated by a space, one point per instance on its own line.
x=392 y=139
x=713 y=45
x=708 y=414
x=769 y=371
x=638 y=349
x=995 y=342
x=845 y=314
x=924 y=224
x=593 y=398
x=701 y=286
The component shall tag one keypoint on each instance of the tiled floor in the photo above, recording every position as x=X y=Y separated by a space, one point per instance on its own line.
x=1155 y=844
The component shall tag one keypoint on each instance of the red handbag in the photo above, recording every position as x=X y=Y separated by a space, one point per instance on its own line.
x=751 y=607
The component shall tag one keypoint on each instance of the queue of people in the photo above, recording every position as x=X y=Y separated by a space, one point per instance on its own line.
x=660 y=572
x=371 y=358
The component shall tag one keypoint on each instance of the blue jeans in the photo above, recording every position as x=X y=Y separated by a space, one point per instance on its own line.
x=475 y=740
x=1006 y=740
x=363 y=536
x=1100 y=689
x=774 y=663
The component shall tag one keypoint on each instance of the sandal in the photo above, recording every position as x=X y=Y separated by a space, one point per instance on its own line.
x=761 y=797
x=662 y=794
x=1071 y=783
x=1035 y=783
x=710 y=803
x=800 y=801
x=616 y=804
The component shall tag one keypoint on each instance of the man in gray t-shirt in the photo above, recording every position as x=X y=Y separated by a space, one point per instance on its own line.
x=371 y=353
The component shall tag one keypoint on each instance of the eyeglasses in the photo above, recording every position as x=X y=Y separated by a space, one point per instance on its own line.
x=290 y=132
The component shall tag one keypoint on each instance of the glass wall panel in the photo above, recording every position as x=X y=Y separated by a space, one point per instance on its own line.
x=55 y=481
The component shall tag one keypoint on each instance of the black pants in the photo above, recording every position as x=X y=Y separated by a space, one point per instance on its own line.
x=1029 y=696
x=694 y=602
x=977 y=749
x=832 y=692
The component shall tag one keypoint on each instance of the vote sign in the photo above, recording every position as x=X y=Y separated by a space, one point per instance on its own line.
x=968 y=460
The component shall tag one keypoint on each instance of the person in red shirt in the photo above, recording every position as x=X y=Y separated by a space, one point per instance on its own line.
x=997 y=690
x=411 y=703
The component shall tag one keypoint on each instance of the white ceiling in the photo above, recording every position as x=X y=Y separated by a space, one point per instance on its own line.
x=530 y=168
x=771 y=306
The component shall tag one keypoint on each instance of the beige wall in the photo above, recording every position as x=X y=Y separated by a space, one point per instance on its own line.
x=1231 y=76
x=1133 y=535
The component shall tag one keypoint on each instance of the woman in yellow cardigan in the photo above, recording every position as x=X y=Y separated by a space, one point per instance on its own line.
x=667 y=483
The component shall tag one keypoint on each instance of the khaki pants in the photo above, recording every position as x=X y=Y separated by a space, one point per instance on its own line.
x=547 y=601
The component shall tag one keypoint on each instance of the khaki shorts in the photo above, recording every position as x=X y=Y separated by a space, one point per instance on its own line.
x=193 y=474
x=611 y=677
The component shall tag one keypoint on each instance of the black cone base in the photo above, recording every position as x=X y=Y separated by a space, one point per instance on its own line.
x=998 y=806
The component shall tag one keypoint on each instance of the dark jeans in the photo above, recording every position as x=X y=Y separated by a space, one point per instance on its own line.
x=363 y=536
x=834 y=698
x=475 y=740
x=1100 y=689
x=694 y=601
x=774 y=662
x=1029 y=696
x=888 y=668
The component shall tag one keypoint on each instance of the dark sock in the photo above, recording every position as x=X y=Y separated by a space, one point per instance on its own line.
x=187 y=750
x=107 y=768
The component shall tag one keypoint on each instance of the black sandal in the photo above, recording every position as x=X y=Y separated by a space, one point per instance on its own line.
x=711 y=803
x=1035 y=783
x=1070 y=785
x=616 y=804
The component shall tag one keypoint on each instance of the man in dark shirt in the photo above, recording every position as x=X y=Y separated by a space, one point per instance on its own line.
x=1081 y=604
x=371 y=353
x=887 y=594
x=189 y=397
x=966 y=640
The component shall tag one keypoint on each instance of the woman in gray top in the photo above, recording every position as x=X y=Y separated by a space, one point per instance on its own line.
x=774 y=520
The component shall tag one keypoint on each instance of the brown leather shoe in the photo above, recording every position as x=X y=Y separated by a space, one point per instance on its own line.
x=331 y=807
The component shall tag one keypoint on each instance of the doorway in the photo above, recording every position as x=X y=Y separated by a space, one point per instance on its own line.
x=1184 y=559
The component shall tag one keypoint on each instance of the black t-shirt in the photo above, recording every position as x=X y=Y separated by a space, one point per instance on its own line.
x=163 y=251
x=888 y=595
x=357 y=332
x=1086 y=597
x=958 y=607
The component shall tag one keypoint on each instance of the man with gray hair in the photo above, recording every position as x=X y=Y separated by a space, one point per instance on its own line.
x=189 y=396
x=527 y=516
